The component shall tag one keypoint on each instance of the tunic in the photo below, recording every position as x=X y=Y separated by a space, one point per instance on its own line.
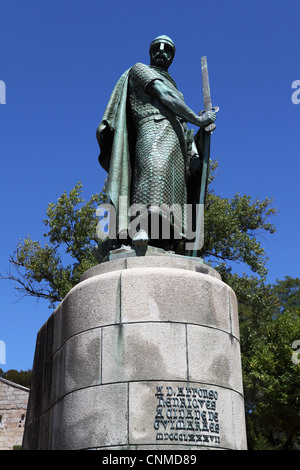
x=159 y=173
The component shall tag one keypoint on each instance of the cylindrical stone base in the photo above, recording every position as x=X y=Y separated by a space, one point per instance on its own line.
x=143 y=353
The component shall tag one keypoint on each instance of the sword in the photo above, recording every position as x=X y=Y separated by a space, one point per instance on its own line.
x=199 y=238
x=206 y=93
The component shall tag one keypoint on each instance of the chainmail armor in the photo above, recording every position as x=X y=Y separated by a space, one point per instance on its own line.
x=159 y=175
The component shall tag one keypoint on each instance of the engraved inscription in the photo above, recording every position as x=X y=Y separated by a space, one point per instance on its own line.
x=187 y=414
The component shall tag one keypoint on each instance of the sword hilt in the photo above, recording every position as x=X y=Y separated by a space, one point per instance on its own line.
x=211 y=127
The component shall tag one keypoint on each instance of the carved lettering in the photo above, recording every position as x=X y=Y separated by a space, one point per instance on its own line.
x=187 y=414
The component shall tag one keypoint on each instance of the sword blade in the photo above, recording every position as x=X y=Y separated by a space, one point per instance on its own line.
x=205 y=85
x=199 y=238
x=204 y=151
x=206 y=91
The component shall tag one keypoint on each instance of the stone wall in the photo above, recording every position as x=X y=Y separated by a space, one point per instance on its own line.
x=13 y=407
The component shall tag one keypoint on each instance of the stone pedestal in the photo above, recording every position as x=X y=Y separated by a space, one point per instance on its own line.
x=143 y=353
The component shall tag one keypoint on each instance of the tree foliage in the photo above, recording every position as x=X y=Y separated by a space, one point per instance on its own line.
x=20 y=377
x=49 y=271
x=232 y=227
x=271 y=377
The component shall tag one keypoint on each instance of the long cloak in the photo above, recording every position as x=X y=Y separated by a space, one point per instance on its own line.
x=114 y=157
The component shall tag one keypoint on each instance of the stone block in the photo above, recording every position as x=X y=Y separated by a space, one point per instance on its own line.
x=238 y=428
x=82 y=361
x=52 y=384
x=214 y=357
x=189 y=414
x=165 y=294
x=91 y=417
x=114 y=265
x=144 y=351
x=92 y=303
x=165 y=261
x=75 y=365
x=234 y=314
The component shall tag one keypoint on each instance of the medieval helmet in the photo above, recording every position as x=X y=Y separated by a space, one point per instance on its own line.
x=164 y=39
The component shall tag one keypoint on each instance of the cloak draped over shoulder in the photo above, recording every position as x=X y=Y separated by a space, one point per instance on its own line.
x=114 y=157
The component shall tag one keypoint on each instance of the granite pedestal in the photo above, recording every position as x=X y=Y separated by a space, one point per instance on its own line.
x=143 y=353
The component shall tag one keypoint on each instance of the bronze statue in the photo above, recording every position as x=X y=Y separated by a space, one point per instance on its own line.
x=146 y=148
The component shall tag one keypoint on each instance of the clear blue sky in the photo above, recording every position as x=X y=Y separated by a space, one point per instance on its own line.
x=60 y=61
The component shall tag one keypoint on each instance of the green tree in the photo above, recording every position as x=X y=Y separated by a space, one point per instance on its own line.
x=288 y=291
x=271 y=377
x=232 y=230
x=21 y=377
x=49 y=271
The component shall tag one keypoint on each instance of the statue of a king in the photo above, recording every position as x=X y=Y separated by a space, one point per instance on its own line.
x=146 y=147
